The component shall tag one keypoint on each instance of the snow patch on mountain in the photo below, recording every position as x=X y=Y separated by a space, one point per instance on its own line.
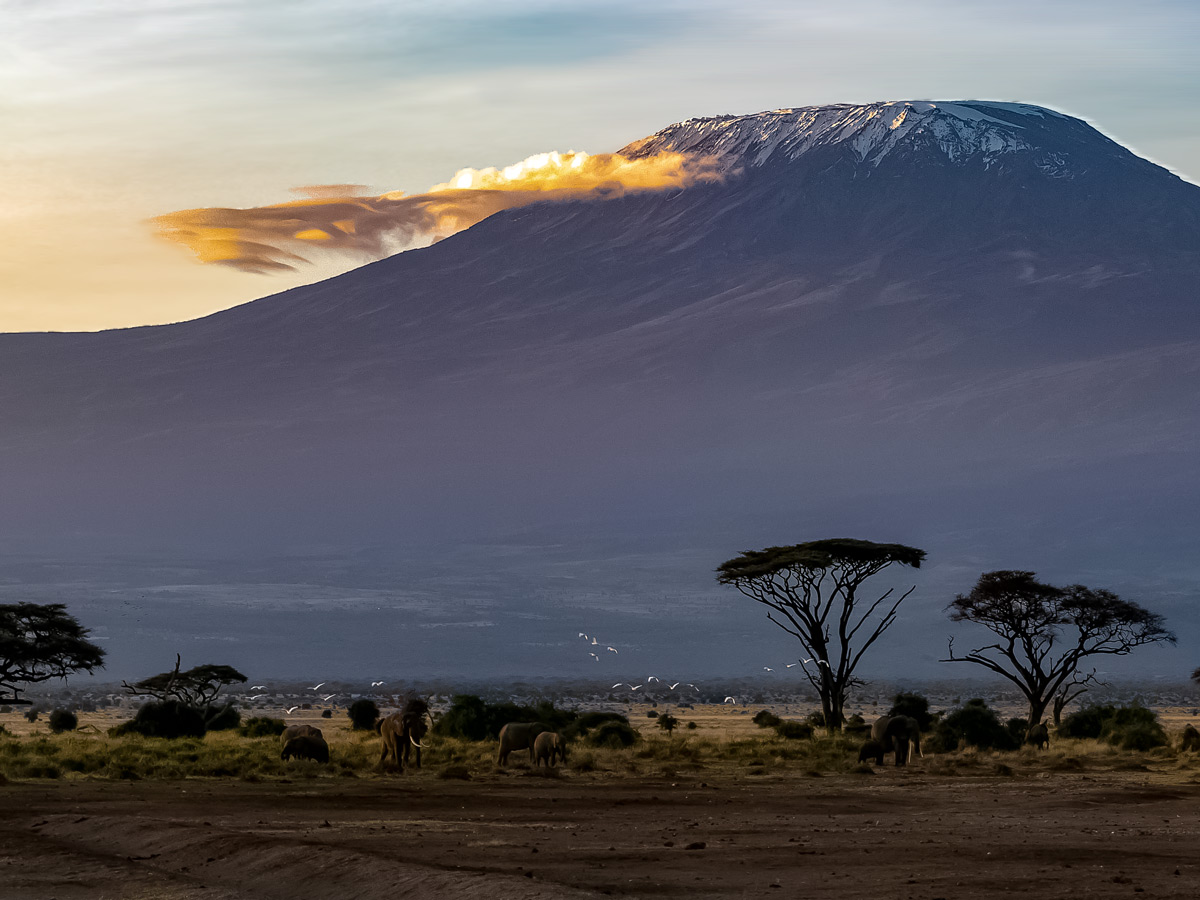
x=959 y=130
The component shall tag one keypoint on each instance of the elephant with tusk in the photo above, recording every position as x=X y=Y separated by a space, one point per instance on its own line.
x=403 y=732
x=518 y=736
x=895 y=734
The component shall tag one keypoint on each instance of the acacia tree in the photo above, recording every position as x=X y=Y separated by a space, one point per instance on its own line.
x=40 y=642
x=1046 y=633
x=198 y=687
x=812 y=592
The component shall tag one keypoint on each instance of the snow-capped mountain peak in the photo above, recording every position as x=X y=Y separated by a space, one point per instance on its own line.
x=868 y=134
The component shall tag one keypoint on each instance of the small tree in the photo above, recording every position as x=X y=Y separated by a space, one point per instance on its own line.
x=812 y=592
x=40 y=642
x=667 y=723
x=63 y=720
x=1045 y=632
x=197 y=688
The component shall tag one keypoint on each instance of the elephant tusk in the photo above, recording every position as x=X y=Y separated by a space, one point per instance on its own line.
x=414 y=742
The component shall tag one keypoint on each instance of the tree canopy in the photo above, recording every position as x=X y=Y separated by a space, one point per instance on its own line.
x=39 y=642
x=811 y=590
x=196 y=688
x=1045 y=633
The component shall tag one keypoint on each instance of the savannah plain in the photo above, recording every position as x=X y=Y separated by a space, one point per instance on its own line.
x=724 y=810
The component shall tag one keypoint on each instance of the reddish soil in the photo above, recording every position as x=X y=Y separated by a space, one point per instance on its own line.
x=893 y=834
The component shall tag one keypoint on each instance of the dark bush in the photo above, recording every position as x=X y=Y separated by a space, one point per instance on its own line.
x=224 y=719
x=63 y=720
x=914 y=706
x=617 y=735
x=816 y=720
x=1130 y=727
x=262 y=726
x=651 y=714
x=794 y=731
x=472 y=719
x=32 y=714
x=590 y=721
x=976 y=724
x=766 y=719
x=1018 y=728
x=363 y=715
x=168 y=719
x=667 y=722
x=327 y=714
x=691 y=726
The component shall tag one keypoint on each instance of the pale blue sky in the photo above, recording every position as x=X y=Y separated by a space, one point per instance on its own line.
x=113 y=112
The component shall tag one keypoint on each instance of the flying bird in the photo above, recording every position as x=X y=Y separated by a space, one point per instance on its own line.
x=315 y=686
x=650 y=678
x=729 y=700
x=613 y=649
x=619 y=683
x=255 y=696
x=582 y=635
x=328 y=697
x=672 y=687
x=594 y=642
x=377 y=683
x=594 y=656
x=636 y=687
x=292 y=710
x=789 y=665
x=258 y=687
x=768 y=669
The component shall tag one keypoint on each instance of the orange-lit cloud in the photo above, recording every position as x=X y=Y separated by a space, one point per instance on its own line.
x=336 y=218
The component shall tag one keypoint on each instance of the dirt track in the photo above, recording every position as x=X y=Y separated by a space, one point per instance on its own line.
x=892 y=834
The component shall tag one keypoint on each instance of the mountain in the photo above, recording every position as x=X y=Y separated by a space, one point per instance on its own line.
x=968 y=326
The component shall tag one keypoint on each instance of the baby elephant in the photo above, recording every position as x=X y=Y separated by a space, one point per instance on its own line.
x=547 y=746
x=1039 y=736
x=872 y=750
x=306 y=746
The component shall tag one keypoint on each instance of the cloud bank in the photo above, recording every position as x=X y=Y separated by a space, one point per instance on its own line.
x=338 y=219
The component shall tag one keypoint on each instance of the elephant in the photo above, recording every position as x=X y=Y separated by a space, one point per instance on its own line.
x=871 y=750
x=295 y=731
x=518 y=736
x=1039 y=736
x=547 y=746
x=1191 y=738
x=306 y=746
x=403 y=731
x=895 y=733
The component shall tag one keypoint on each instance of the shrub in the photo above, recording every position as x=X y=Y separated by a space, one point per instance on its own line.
x=1130 y=727
x=651 y=714
x=914 y=706
x=766 y=719
x=31 y=714
x=667 y=722
x=224 y=719
x=327 y=714
x=588 y=722
x=1018 y=728
x=976 y=724
x=63 y=720
x=262 y=726
x=615 y=735
x=363 y=714
x=794 y=731
x=691 y=726
x=168 y=719
x=470 y=718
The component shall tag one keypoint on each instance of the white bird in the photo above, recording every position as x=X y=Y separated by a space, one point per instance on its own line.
x=768 y=669
x=594 y=656
x=822 y=662
x=672 y=687
x=377 y=683
x=328 y=697
x=789 y=665
x=729 y=700
x=613 y=649
x=258 y=687
x=650 y=678
x=315 y=686
x=636 y=687
x=292 y=710
x=582 y=635
x=255 y=696
x=618 y=684
x=594 y=642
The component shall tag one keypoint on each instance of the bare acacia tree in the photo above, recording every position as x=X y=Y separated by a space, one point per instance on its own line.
x=39 y=642
x=812 y=592
x=1045 y=633
x=198 y=687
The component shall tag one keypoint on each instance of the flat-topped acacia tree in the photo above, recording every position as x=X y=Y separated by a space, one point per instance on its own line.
x=39 y=642
x=812 y=592
x=1044 y=634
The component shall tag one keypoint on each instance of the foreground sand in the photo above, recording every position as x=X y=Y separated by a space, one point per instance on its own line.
x=893 y=834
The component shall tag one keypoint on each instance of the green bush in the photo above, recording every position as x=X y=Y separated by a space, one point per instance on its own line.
x=470 y=718
x=168 y=719
x=1018 y=728
x=651 y=714
x=262 y=726
x=913 y=705
x=794 y=731
x=1131 y=727
x=226 y=718
x=976 y=724
x=327 y=714
x=691 y=726
x=766 y=719
x=667 y=722
x=615 y=735
x=590 y=721
x=63 y=720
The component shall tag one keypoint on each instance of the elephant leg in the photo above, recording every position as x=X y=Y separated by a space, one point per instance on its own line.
x=901 y=751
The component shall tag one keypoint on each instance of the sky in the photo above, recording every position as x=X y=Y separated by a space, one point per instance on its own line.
x=116 y=113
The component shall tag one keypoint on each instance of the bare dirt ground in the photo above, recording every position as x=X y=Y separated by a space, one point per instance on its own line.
x=898 y=833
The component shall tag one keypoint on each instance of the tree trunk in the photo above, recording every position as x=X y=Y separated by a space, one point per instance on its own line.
x=1037 y=709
